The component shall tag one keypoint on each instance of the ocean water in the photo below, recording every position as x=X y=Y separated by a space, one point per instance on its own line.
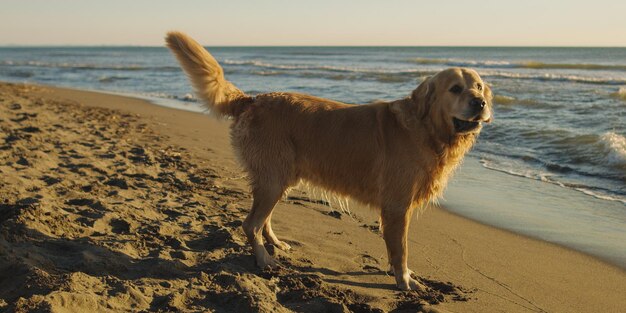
x=560 y=113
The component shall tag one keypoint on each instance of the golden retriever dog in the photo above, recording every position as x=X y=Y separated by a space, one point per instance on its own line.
x=395 y=156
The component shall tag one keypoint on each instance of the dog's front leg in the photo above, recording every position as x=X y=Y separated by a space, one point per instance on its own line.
x=395 y=221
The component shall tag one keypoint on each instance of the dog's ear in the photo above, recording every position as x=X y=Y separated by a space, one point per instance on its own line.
x=410 y=110
x=423 y=97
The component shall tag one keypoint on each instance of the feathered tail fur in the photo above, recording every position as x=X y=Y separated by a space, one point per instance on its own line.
x=207 y=77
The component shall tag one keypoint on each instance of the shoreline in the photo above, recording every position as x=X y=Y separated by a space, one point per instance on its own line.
x=532 y=210
x=497 y=267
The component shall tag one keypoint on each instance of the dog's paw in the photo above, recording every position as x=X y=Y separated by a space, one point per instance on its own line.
x=268 y=262
x=282 y=245
x=416 y=285
x=411 y=284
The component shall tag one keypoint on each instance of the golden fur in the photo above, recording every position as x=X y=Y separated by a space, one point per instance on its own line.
x=394 y=156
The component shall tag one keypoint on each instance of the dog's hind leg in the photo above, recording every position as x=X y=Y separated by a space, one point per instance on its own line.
x=269 y=235
x=395 y=220
x=265 y=198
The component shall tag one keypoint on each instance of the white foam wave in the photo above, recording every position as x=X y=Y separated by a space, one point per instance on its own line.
x=615 y=148
x=547 y=178
x=620 y=94
x=541 y=176
x=465 y=63
x=556 y=77
x=600 y=196
x=322 y=67
x=487 y=73
x=523 y=64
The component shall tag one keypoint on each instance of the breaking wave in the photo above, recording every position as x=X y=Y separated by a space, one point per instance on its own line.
x=386 y=75
x=620 y=94
x=557 y=77
x=506 y=100
x=330 y=68
x=614 y=149
x=527 y=64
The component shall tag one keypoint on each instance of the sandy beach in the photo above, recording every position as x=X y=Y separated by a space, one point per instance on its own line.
x=110 y=203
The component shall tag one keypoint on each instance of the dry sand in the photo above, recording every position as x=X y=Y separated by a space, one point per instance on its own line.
x=110 y=203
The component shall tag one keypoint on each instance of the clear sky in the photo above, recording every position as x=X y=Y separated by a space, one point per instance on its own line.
x=316 y=22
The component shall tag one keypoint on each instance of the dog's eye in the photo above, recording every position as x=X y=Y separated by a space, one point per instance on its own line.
x=456 y=89
x=479 y=86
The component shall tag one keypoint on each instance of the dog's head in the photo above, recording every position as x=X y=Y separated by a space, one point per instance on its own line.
x=456 y=100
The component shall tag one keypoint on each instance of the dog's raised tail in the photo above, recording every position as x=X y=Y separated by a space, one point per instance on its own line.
x=206 y=75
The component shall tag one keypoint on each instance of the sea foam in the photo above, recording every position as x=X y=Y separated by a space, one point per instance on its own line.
x=507 y=100
x=620 y=94
x=615 y=148
x=417 y=72
x=547 y=177
x=523 y=65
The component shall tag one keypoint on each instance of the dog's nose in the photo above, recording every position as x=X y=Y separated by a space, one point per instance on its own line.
x=478 y=103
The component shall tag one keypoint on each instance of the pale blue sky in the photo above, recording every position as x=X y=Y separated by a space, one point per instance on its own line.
x=316 y=22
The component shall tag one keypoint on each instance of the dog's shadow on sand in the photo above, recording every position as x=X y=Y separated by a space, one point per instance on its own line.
x=332 y=277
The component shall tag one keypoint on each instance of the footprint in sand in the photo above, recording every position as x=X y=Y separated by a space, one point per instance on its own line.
x=49 y=180
x=88 y=208
x=112 y=224
x=216 y=237
x=117 y=182
x=22 y=161
x=107 y=156
x=22 y=116
x=141 y=155
x=368 y=263
x=172 y=214
x=120 y=226
x=30 y=129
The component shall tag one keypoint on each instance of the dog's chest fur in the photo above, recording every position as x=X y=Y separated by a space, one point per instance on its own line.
x=448 y=158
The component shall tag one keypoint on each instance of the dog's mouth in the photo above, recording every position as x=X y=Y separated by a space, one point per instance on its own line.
x=461 y=126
